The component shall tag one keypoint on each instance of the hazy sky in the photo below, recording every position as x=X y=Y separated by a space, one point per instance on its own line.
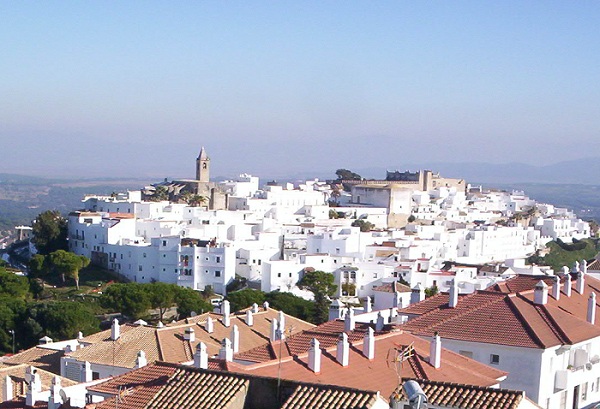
x=137 y=87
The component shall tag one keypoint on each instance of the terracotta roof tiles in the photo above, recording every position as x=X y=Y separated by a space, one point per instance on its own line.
x=305 y=397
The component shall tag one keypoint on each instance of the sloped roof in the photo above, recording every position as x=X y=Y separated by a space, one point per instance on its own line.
x=168 y=343
x=308 y=397
x=17 y=375
x=393 y=287
x=377 y=374
x=461 y=396
x=41 y=358
x=511 y=319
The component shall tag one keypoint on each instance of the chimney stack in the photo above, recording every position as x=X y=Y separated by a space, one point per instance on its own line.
x=266 y=305
x=540 y=293
x=210 y=325
x=350 y=321
x=343 y=350
x=314 y=356
x=435 y=351
x=591 y=310
x=80 y=335
x=201 y=356
x=249 y=318
x=281 y=319
x=140 y=360
x=453 y=295
x=274 y=328
x=580 y=282
x=379 y=324
x=254 y=308
x=235 y=339
x=226 y=352
x=417 y=294
x=225 y=310
x=367 y=304
x=115 y=330
x=34 y=386
x=86 y=372
x=55 y=401
x=556 y=288
x=567 y=285
x=7 y=392
x=189 y=334
x=584 y=266
x=369 y=344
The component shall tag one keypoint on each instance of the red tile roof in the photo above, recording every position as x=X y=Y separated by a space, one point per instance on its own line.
x=393 y=287
x=378 y=374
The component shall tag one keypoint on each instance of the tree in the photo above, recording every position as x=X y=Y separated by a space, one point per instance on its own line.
x=431 y=291
x=321 y=285
x=162 y=296
x=12 y=285
x=364 y=225
x=61 y=320
x=39 y=267
x=292 y=305
x=188 y=301
x=197 y=200
x=245 y=298
x=49 y=232
x=68 y=264
x=130 y=299
x=345 y=174
x=160 y=193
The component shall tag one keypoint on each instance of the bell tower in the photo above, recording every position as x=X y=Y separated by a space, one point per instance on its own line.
x=203 y=166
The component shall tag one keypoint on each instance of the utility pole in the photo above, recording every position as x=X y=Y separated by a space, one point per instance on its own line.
x=12 y=331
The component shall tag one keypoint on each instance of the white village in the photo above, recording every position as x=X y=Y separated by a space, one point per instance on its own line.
x=437 y=301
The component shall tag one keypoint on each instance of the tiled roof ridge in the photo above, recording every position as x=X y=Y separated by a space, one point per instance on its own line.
x=161 y=354
x=477 y=387
x=461 y=313
x=417 y=366
x=554 y=327
x=511 y=304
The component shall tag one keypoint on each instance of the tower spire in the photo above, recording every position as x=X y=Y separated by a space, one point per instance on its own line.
x=203 y=166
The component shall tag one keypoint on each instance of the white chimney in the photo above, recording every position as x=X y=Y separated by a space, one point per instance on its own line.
x=281 y=318
x=453 y=295
x=210 y=325
x=266 y=305
x=34 y=386
x=580 y=282
x=140 y=360
x=417 y=294
x=343 y=350
x=369 y=344
x=350 y=321
x=226 y=352
x=576 y=268
x=540 y=293
x=556 y=288
x=249 y=318
x=367 y=304
x=201 y=356
x=591 y=310
x=235 y=339
x=314 y=356
x=80 y=335
x=567 y=285
x=55 y=401
x=254 y=308
x=7 y=392
x=189 y=334
x=565 y=270
x=274 y=328
x=86 y=372
x=115 y=330
x=397 y=301
x=379 y=324
x=584 y=266
x=435 y=351
x=225 y=310
x=336 y=309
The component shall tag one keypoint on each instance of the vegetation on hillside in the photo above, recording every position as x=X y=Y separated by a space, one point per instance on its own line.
x=565 y=254
x=286 y=302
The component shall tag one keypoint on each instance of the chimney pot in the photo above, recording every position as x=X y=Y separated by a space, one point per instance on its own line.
x=210 y=325
x=591 y=310
x=417 y=294
x=201 y=356
x=350 y=321
x=567 y=285
x=7 y=393
x=266 y=305
x=453 y=295
x=435 y=351
x=189 y=334
x=580 y=282
x=225 y=310
x=343 y=350
x=226 y=352
x=235 y=339
x=540 y=293
x=115 y=330
x=369 y=344
x=274 y=329
x=556 y=288
x=254 y=308
x=249 y=318
x=141 y=360
x=314 y=356
x=379 y=324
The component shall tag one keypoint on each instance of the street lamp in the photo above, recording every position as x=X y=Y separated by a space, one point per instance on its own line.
x=12 y=331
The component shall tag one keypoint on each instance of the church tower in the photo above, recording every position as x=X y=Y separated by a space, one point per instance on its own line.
x=203 y=166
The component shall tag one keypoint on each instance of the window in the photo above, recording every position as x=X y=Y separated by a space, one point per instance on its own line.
x=218 y=259
x=468 y=354
x=494 y=359
x=95 y=375
x=217 y=273
x=279 y=275
x=139 y=268
x=259 y=262
x=584 y=391
x=164 y=243
x=144 y=255
x=353 y=274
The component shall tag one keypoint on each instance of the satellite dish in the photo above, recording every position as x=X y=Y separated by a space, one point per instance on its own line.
x=63 y=396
